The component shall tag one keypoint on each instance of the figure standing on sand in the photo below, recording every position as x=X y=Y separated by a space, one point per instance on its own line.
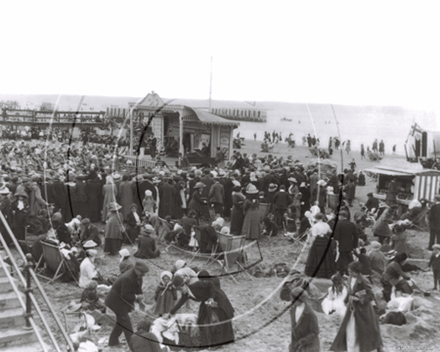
x=362 y=152
x=381 y=148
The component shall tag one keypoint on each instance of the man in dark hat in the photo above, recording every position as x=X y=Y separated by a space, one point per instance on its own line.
x=89 y=233
x=346 y=238
x=126 y=290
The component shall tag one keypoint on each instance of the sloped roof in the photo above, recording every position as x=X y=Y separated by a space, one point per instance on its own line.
x=210 y=119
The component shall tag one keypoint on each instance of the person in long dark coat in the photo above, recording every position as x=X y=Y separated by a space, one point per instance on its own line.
x=215 y=308
x=94 y=190
x=71 y=203
x=60 y=192
x=360 y=327
x=167 y=196
x=124 y=292
x=133 y=228
x=177 y=203
x=237 y=216
x=81 y=195
x=198 y=203
x=125 y=195
x=113 y=230
x=305 y=327
x=147 y=245
x=228 y=186
x=251 y=207
x=20 y=209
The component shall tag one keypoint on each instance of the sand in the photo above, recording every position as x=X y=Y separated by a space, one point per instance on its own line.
x=267 y=328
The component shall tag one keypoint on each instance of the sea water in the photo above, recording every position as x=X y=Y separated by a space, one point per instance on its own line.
x=360 y=125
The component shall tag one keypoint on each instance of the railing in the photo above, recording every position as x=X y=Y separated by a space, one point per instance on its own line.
x=30 y=298
x=30 y=323
x=141 y=162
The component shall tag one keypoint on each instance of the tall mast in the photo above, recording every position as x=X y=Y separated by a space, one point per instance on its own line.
x=210 y=87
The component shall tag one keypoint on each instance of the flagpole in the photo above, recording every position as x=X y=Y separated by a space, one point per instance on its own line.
x=210 y=87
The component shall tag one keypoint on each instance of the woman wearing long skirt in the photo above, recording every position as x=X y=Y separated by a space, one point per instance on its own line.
x=109 y=191
x=359 y=331
x=113 y=229
x=322 y=249
x=237 y=216
x=215 y=311
x=251 y=208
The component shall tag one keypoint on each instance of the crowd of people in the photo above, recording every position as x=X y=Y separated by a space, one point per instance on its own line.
x=67 y=200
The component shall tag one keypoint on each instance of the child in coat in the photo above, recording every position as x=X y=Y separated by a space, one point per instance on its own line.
x=165 y=294
x=434 y=263
x=270 y=228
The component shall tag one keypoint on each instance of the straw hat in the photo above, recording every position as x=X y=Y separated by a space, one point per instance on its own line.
x=4 y=190
x=72 y=307
x=124 y=252
x=292 y=179
x=375 y=245
x=113 y=206
x=199 y=185
x=273 y=187
x=251 y=189
x=179 y=264
x=321 y=183
x=148 y=229
x=90 y=244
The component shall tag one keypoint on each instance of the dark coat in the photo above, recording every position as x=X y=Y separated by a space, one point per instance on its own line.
x=167 y=194
x=60 y=199
x=91 y=233
x=281 y=200
x=346 y=234
x=434 y=217
x=144 y=341
x=434 y=262
x=305 y=332
x=147 y=248
x=367 y=323
x=94 y=194
x=123 y=293
x=208 y=181
x=217 y=193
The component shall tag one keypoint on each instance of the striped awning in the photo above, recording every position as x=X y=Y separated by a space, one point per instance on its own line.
x=426 y=186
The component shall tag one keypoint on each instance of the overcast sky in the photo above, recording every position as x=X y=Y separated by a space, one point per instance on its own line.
x=375 y=52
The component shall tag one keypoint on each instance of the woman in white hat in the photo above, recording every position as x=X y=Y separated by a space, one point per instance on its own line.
x=251 y=207
x=113 y=229
x=149 y=204
x=125 y=263
x=87 y=269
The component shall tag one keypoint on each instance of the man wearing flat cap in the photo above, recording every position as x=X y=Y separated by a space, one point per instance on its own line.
x=126 y=290
x=89 y=232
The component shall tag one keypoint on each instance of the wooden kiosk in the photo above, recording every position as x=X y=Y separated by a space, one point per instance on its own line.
x=413 y=181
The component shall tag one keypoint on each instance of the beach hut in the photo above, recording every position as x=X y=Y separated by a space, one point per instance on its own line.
x=182 y=128
x=413 y=181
